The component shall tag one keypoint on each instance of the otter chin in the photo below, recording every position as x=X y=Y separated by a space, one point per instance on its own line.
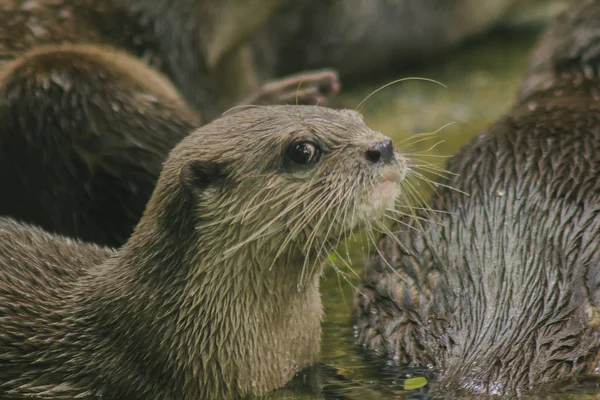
x=497 y=289
x=216 y=293
x=384 y=193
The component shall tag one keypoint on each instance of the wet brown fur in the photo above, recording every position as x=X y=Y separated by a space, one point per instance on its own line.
x=200 y=303
x=500 y=292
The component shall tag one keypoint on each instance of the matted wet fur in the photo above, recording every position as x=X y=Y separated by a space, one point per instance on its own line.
x=499 y=292
x=87 y=117
x=216 y=293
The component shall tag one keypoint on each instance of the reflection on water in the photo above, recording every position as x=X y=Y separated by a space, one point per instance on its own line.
x=482 y=79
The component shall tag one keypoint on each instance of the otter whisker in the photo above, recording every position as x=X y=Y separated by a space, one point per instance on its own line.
x=416 y=218
x=414 y=139
x=407 y=142
x=431 y=169
x=313 y=235
x=299 y=225
x=398 y=209
x=414 y=193
x=342 y=234
x=342 y=199
x=422 y=209
x=417 y=167
x=420 y=176
x=420 y=135
x=327 y=199
x=240 y=107
x=303 y=217
x=264 y=228
x=283 y=196
x=435 y=184
x=425 y=153
x=363 y=102
x=424 y=139
x=388 y=232
x=340 y=210
x=347 y=238
x=411 y=192
x=425 y=216
x=383 y=257
x=348 y=265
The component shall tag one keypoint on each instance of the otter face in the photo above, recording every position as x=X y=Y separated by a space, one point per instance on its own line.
x=308 y=174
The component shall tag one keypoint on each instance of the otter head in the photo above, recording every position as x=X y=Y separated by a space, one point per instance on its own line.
x=567 y=56
x=286 y=181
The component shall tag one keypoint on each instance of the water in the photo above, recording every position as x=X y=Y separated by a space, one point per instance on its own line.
x=482 y=79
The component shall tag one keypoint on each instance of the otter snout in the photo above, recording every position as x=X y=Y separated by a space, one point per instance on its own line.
x=382 y=152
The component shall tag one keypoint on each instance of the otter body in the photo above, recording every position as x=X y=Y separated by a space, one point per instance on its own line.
x=363 y=36
x=90 y=102
x=216 y=294
x=500 y=291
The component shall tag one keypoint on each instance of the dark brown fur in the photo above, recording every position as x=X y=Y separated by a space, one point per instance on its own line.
x=500 y=292
x=87 y=118
x=216 y=293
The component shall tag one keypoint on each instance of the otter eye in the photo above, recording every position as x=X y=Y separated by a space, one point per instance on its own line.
x=303 y=153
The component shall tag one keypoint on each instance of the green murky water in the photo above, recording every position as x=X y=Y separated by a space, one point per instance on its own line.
x=481 y=78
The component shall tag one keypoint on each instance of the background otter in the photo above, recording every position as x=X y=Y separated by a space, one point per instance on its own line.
x=86 y=119
x=216 y=293
x=500 y=291
x=360 y=37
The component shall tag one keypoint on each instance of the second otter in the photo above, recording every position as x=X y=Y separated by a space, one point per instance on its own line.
x=216 y=294
x=501 y=291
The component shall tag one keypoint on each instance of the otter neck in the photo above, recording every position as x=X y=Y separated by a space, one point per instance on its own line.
x=240 y=324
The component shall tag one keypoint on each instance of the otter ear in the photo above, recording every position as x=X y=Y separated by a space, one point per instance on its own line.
x=198 y=175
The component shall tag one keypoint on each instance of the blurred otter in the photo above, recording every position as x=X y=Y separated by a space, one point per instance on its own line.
x=500 y=291
x=94 y=94
x=360 y=37
x=216 y=293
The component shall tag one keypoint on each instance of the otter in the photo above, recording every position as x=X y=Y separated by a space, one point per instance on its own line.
x=216 y=293
x=361 y=37
x=94 y=95
x=499 y=292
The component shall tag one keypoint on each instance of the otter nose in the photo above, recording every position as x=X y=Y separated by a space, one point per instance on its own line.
x=382 y=151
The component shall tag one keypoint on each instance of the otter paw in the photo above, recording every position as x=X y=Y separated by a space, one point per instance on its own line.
x=314 y=88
